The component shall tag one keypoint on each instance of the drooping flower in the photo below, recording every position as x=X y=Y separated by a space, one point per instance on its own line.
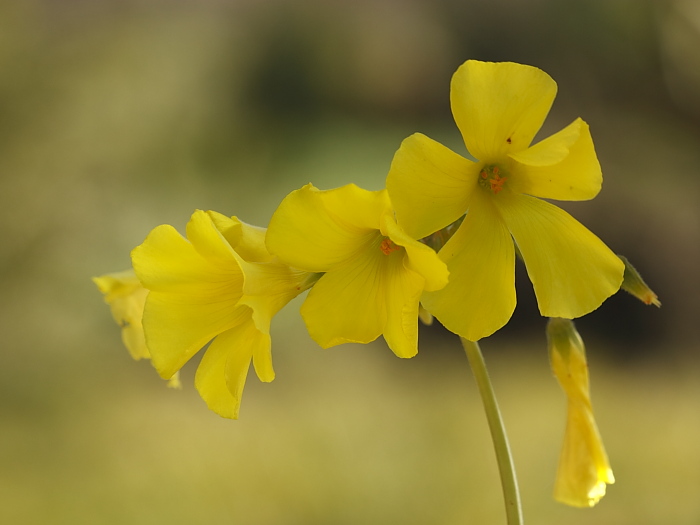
x=126 y=297
x=374 y=274
x=584 y=470
x=499 y=107
x=219 y=285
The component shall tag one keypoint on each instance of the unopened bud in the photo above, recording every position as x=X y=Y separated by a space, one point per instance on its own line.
x=633 y=283
x=584 y=470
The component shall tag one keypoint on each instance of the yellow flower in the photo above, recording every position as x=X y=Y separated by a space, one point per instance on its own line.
x=499 y=107
x=126 y=296
x=583 y=469
x=374 y=274
x=219 y=285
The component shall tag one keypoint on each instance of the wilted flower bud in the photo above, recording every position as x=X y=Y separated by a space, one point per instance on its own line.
x=583 y=470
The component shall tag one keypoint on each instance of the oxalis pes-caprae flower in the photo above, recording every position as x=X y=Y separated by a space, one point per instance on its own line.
x=440 y=240
x=219 y=285
x=499 y=108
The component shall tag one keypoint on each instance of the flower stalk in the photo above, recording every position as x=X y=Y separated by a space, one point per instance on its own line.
x=506 y=469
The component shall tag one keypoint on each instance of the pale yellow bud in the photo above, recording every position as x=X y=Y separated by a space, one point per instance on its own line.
x=584 y=470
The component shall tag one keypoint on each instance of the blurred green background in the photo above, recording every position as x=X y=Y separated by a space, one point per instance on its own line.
x=117 y=116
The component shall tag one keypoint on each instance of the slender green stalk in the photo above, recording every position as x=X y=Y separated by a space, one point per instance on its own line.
x=514 y=513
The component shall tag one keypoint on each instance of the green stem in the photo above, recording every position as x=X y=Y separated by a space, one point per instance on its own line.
x=514 y=513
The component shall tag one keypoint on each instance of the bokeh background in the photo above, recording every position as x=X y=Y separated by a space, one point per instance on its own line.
x=117 y=116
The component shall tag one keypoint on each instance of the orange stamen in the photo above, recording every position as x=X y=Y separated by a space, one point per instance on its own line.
x=387 y=246
x=497 y=182
x=490 y=178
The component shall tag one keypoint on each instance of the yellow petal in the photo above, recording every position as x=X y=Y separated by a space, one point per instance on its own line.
x=419 y=258
x=126 y=296
x=174 y=382
x=309 y=230
x=402 y=289
x=208 y=241
x=178 y=326
x=563 y=166
x=345 y=306
x=429 y=185
x=195 y=288
x=262 y=352
x=499 y=107
x=356 y=207
x=247 y=240
x=583 y=471
x=222 y=373
x=425 y=316
x=269 y=287
x=571 y=269
x=166 y=261
x=211 y=376
x=262 y=356
x=480 y=295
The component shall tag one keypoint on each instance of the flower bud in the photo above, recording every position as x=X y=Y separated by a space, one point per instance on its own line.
x=583 y=470
x=633 y=284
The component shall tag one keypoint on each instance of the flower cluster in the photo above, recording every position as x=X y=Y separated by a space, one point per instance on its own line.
x=441 y=240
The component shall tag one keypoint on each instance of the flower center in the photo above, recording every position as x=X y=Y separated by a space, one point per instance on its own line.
x=491 y=178
x=387 y=246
